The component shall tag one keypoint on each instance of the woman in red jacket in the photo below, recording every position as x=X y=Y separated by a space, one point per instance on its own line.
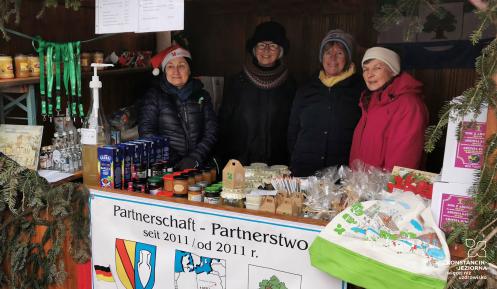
x=391 y=129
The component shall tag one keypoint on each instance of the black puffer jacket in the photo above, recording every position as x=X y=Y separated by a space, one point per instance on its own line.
x=191 y=126
x=322 y=124
x=254 y=121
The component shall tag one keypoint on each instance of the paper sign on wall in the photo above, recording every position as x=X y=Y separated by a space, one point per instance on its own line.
x=144 y=243
x=115 y=16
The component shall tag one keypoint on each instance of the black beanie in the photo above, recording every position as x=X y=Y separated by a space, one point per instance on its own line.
x=269 y=31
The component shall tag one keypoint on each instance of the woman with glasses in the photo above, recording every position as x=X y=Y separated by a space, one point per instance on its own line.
x=325 y=110
x=177 y=107
x=257 y=101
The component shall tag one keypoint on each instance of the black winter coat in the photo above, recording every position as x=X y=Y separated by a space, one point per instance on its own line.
x=254 y=121
x=322 y=124
x=191 y=126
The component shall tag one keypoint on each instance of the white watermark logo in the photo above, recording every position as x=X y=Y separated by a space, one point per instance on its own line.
x=473 y=250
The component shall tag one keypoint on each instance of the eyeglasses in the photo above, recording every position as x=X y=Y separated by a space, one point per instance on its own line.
x=263 y=45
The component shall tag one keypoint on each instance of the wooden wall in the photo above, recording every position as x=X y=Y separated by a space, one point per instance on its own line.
x=217 y=31
x=64 y=25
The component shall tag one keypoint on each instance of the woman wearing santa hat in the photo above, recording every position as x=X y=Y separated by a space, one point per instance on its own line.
x=394 y=117
x=177 y=107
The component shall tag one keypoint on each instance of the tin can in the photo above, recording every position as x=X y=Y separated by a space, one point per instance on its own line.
x=22 y=66
x=6 y=67
x=34 y=66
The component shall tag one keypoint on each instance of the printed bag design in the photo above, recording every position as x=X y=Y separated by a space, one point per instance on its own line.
x=388 y=243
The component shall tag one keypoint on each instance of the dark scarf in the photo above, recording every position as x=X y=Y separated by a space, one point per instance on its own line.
x=182 y=93
x=266 y=78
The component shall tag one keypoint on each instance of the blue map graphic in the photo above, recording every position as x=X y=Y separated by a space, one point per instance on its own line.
x=194 y=271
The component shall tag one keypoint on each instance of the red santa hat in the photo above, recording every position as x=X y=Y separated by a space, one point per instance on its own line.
x=163 y=57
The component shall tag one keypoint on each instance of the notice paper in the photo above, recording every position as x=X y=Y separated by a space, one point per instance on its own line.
x=115 y=16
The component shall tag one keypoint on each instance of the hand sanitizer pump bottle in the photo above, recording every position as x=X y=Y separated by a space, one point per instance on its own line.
x=95 y=131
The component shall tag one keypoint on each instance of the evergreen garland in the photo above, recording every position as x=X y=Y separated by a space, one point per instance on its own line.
x=28 y=202
x=483 y=225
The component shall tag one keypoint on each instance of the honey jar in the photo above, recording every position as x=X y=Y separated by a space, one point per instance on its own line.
x=22 y=66
x=34 y=66
x=6 y=67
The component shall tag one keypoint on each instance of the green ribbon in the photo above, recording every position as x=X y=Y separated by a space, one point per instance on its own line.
x=49 y=78
x=41 y=56
x=72 y=77
x=66 y=56
x=57 y=76
x=78 y=78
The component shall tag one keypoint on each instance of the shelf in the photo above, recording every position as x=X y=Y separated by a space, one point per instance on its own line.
x=4 y=83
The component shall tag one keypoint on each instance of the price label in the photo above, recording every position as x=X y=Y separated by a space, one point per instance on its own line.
x=88 y=136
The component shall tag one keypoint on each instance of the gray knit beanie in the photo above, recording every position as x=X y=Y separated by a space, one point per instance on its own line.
x=340 y=36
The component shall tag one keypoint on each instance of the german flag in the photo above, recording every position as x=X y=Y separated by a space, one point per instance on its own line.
x=103 y=273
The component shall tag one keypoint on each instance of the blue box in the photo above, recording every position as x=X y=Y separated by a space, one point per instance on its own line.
x=110 y=167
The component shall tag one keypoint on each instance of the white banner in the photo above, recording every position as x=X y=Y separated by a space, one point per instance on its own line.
x=141 y=243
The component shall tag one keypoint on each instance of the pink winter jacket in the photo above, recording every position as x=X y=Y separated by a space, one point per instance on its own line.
x=391 y=129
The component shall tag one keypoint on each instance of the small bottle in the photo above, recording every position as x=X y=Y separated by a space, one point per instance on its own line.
x=43 y=158
x=49 y=158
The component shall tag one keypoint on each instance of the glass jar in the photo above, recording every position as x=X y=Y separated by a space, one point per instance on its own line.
x=212 y=196
x=154 y=185
x=180 y=186
x=213 y=172
x=191 y=178
x=233 y=198
x=195 y=193
x=22 y=66
x=139 y=186
x=6 y=67
x=206 y=176
x=34 y=66
x=198 y=176
x=168 y=182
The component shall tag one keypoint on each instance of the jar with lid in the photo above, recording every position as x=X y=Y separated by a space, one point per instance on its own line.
x=139 y=186
x=206 y=176
x=195 y=193
x=181 y=186
x=233 y=198
x=34 y=65
x=22 y=66
x=198 y=176
x=191 y=178
x=168 y=182
x=85 y=61
x=98 y=57
x=154 y=185
x=212 y=196
x=213 y=172
x=203 y=185
x=6 y=67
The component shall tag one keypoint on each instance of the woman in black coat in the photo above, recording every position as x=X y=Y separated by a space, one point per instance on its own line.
x=257 y=102
x=177 y=107
x=325 y=110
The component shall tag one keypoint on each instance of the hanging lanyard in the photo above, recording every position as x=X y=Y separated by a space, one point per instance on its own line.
x=41 y=51
x=72 y=78
x=50 y=79
x=57 y=77
x=77 y=60
x=66 y=56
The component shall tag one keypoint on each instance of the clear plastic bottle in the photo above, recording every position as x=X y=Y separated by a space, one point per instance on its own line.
x=96 y=131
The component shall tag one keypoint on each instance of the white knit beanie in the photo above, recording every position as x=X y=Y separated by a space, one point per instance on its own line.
x=388 y=56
